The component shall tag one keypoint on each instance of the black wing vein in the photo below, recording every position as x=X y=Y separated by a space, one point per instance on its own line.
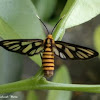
x=28 y=47
x=71 y=51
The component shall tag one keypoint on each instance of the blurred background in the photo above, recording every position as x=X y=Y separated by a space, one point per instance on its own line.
x=81 y=72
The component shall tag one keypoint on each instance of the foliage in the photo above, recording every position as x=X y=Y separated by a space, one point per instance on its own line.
x=97 y=39
x=18 y=20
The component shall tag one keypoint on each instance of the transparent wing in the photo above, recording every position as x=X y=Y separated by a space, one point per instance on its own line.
x=28 y=47
x=71 y=51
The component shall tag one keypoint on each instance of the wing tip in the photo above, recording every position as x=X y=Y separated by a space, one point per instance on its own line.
x=96 y=53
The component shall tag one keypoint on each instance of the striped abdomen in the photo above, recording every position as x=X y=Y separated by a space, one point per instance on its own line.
x=48 y=58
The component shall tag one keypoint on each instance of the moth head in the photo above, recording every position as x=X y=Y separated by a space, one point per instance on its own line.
x=50 y=36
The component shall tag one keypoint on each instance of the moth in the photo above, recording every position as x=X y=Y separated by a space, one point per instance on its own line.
x=48 y=48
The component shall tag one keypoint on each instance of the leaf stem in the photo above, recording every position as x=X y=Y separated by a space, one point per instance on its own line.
x=33 y=83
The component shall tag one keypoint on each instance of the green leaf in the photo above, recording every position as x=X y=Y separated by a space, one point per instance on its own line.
x=32 y=96
x=18 y=21
x=20 y=16
x=97 y=39
x=10 y=63
x=45 y=8
x=6 y=31
x=10 y=66
x=77 y=12
x=62 y=76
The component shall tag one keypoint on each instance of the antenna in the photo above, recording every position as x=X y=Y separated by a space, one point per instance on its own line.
x=57 y=23
x=42 y=23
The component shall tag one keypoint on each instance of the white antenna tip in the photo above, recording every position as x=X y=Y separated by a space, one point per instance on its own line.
x=37 y=16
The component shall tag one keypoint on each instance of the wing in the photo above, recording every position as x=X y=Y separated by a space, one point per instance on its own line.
x=28 y=47
x=71 y=51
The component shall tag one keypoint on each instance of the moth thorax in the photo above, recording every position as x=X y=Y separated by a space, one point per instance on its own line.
x=48 y=73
